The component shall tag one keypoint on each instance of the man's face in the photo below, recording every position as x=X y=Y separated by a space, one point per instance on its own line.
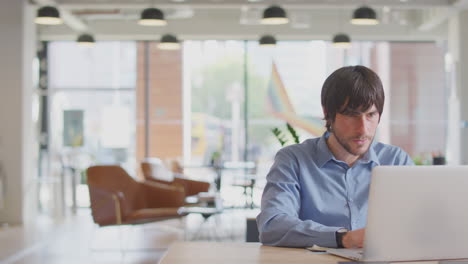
x=355 y=130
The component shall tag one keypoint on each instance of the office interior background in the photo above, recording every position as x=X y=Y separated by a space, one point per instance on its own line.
x=65 y=107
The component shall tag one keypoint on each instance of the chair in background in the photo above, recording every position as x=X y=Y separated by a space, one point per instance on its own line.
x=154 y=170
x=117 y=199
x=246 y=178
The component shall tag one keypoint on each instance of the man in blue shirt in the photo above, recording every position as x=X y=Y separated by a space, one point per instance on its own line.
x=317 y=191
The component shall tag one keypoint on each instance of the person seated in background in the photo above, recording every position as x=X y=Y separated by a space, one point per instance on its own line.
x=155 y=170
x=317 y=191
x=176 y=167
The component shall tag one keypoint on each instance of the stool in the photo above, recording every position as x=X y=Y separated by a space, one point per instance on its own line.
x=251 y=234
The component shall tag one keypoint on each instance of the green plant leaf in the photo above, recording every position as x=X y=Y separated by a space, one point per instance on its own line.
x=293 y=133
x=279 y=135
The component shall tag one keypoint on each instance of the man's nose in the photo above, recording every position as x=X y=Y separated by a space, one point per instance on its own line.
x=362 y=125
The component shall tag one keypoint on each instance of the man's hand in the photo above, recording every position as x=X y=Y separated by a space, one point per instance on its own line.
x=354 y=239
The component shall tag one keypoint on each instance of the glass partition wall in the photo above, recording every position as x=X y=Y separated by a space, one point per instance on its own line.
x=240 y=91
x=92 y=111
x=231 y=94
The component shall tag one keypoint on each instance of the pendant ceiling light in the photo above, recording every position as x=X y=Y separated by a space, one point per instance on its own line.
x=364 y=16
x=267 y=41
x=169 y=42
x=48 y=15
x=152 y=17
x=274 y=15
x=341 y=40
x=86 y=40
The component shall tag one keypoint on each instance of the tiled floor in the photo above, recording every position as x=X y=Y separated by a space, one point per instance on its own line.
x=78 y=240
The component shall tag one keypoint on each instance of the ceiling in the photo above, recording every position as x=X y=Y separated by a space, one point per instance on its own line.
x=402 y=20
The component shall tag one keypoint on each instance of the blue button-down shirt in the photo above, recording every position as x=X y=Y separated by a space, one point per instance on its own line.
x=310 y=194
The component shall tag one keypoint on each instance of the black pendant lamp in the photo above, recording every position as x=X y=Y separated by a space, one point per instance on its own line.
x=267 y=41
x=341 y=40
x=85 y=40
x=48 y=15
x=152 y=17
x=169 y=42
x=274 y=15
x=364 y=16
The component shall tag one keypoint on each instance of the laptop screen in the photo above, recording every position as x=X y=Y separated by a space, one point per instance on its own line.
x=417 y=213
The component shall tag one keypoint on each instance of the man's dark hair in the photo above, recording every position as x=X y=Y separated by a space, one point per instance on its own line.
x=352 y=88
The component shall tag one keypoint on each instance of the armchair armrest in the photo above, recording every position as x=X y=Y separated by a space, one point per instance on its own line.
x=107 y=208
x=192 y=187
x=172 y=183
x=162 y=195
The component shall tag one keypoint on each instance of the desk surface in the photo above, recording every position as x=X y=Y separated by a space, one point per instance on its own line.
x=245 y=253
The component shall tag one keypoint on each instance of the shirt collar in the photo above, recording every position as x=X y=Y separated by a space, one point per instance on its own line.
x=326 y=155
x=370 y=155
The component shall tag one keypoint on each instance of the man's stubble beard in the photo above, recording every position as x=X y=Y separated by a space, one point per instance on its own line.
x=348 y=147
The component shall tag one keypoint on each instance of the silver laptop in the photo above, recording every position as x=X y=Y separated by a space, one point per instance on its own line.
x=415 y=213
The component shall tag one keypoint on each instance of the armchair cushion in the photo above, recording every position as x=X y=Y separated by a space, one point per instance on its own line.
x=155 y=168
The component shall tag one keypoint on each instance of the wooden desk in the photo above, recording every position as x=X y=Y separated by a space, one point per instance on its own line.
x=245 y=253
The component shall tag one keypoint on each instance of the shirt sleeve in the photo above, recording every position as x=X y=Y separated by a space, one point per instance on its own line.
x=404 y=159
x=278 y=222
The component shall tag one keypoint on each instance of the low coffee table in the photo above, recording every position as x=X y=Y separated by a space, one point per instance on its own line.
x=204 y=199
x=206 y=213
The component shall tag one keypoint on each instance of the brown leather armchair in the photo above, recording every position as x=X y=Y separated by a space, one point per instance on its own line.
x=116 y=198
x=155 y=171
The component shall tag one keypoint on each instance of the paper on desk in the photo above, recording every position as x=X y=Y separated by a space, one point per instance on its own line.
x=316 y=248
